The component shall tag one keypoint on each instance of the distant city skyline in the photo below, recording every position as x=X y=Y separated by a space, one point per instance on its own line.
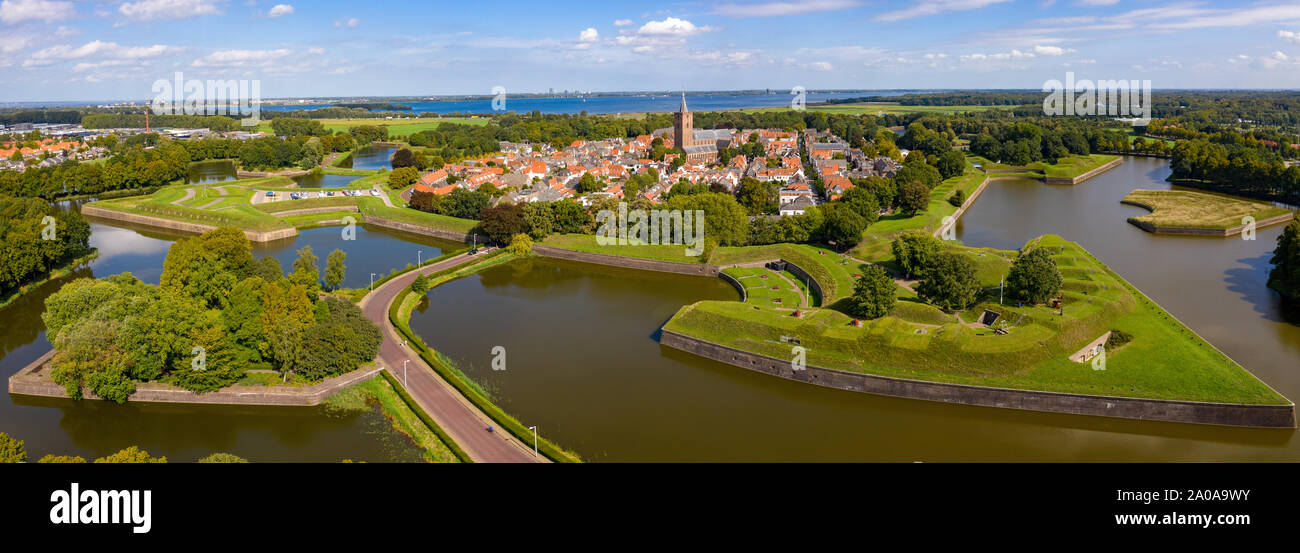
x=88 y=51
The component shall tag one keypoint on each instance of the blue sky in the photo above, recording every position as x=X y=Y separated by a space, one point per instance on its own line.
x=102 y=50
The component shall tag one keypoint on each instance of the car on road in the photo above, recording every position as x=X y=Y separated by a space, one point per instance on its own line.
x=374 y=192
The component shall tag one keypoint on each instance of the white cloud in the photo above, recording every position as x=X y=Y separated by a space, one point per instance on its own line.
x=18 y=11
x=672 y=26
x=349 y=22
x=821 y=66
x=13 y=43
x=241 y=58
x=146 y=10
x=1049 y=50
x=769 y=9
x=1289 y=36
x=99 y=48
x=279 y=10
x=934 y=7
x=1202 y=18
x=623 y=22
x=589 y=35
x=1012 y=55
x=1096 y=2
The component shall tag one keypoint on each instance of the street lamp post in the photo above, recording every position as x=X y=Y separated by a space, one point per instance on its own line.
x=417 y=258
x=404 y=362
x=534 y=429
x=372 y=282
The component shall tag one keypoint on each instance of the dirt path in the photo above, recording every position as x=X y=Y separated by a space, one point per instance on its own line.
x=189 y=195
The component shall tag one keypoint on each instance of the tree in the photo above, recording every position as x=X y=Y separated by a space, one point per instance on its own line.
x=1034 y=277
x=1285 y=274
x=863 y=202
x=131 y=454
x=268 y=268
x=588 y=183
x=335 y=269
x=223 y=458
x=919 y=171
x=521 y=244
x=65 y=459
x=420 y=285
x=538 y=219
x=502 y=222
x=571 y=217
x=12 y=450
x=952 y=163
x=403 y=177
x=950 y=282
x=342 y=341
x=842 y=225
x=915 y=198
x=873 y=294
x=757 y=197
x=724 y=219
x=915 y=251
x=403 y=158
x=286 y=312
x=306 y=273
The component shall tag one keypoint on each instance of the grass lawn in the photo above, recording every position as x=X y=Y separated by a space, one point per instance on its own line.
x=877 y=238
x=1165 y=360
x=1197 y=210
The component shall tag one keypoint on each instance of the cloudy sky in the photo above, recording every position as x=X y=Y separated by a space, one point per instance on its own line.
x=58 y=50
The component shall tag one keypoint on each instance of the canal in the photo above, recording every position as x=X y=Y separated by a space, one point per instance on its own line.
x=582 y=361
x=190 y=432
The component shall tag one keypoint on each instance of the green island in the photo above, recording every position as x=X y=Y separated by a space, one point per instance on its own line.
x=1177 y=210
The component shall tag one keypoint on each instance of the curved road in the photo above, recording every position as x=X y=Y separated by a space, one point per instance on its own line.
x=466 y=425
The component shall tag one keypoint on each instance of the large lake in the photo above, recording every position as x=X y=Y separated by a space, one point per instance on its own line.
x=657 y=103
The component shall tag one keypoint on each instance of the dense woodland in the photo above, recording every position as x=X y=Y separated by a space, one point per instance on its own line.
x=216 y=314
x=25 y=253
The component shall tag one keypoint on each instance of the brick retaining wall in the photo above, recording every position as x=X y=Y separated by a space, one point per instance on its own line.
x=33 y=380
x=1268 y=416
x=183 y=226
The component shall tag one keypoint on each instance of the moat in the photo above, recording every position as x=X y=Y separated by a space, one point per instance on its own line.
x=583 y=362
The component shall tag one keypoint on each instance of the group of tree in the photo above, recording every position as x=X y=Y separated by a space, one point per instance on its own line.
x=13 y=450
x=947 y=278
x=1285 y=274
x=1235 y=169
x=217 y=313
x=32 y=245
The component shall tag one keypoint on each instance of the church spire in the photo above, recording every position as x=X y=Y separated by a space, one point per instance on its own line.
x=683 y=108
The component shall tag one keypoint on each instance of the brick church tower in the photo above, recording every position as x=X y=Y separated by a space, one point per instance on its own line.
x=683 y=127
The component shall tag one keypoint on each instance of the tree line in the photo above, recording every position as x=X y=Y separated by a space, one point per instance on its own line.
x=31 y=245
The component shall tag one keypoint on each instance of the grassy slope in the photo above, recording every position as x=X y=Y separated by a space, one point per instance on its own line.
x=1165 y=360
x=1178 y=208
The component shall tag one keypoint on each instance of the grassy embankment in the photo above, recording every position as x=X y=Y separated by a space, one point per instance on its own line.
x=397 y=408
x=55 y=273
x=1179 y=209
x=1165 y=360
x=206 y=205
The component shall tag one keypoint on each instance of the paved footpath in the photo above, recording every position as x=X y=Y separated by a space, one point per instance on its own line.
x=464 y=422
